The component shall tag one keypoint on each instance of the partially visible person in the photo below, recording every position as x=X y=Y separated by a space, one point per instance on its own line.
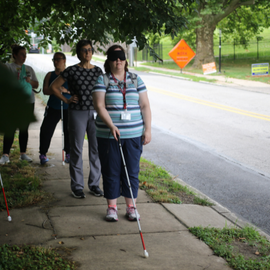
x=81 y=78
x=12 y=100
x=28 y=80
x=123 y=110
x=53 y=109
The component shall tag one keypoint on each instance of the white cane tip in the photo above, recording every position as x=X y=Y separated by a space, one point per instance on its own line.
x=64 y=163
x=9 y=218
x=146 y=255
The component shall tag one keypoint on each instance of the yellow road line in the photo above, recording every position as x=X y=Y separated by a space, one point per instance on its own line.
x=210 y=104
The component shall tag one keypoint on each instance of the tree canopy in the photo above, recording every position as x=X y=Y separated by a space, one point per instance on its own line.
x=99 y=20
x=241 y=19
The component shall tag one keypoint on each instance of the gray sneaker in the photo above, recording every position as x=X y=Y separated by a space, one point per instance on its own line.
x=112 y=214
x=131 y=215
x=78 y=194
x=4 y=159
x=25 y=157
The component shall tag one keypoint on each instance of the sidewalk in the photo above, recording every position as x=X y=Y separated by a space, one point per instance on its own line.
x=79 y=225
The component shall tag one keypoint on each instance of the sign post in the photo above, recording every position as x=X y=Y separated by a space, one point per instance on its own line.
x=182 y=54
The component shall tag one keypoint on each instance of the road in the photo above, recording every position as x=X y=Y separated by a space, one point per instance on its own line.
x=214 y=138
x=232 y=122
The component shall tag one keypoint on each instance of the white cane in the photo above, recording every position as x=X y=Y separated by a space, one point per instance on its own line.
x=62 y=119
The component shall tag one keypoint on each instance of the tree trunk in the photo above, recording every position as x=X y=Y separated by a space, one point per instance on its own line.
x=204 y=43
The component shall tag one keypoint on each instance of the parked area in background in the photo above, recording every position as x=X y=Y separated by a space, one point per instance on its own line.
x=34 y=49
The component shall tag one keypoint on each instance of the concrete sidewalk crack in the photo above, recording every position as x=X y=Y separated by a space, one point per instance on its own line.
x=115 y=234
x=49 y=219
x=33 y=225
x=183 y=223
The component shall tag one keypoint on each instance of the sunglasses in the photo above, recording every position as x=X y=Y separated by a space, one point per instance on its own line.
x=89 y=50
x=57 y=59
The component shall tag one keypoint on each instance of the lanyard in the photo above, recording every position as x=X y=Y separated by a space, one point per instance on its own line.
x=19 y=70
x=123 y=91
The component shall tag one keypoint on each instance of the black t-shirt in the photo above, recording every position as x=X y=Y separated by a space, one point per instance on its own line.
x=81 y=82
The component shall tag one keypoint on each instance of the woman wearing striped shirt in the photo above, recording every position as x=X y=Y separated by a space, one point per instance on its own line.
x=123 y=110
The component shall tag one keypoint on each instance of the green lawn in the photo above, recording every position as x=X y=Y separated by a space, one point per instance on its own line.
x=227 y=48
x=236 y=61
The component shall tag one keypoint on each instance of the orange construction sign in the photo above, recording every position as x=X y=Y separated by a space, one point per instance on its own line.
x=182 y=54
x=209 y=68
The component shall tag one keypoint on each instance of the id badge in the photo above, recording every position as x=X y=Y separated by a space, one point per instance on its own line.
x=94 y=115
x=125 y=116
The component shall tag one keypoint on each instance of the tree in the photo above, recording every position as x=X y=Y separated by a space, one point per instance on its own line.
x=243 y=18
x=70 y=20
x=13 y=25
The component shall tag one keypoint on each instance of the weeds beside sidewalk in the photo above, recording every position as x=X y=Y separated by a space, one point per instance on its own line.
x=22 y=186
x=243 y=249
x=162 y=188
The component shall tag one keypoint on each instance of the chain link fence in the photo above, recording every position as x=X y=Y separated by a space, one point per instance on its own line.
x=236 y=50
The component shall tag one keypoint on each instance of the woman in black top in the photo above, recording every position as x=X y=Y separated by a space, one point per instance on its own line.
x=81 y=78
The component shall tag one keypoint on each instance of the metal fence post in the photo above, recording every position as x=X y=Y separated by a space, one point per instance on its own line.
x=161 y=53
x=219 y=50
x=234 y=48
x=257 y=47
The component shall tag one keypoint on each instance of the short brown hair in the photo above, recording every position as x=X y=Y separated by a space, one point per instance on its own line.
x=16 y=49
x=60 y=53
x=82 y=43
x=107 y=64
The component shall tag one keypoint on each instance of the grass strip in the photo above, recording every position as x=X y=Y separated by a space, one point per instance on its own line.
x=22 y=186
x=162 y=188
x=181 y=75
x=30 y=257
x=243 y=249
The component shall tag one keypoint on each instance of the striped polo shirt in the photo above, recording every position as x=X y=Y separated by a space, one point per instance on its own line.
x=115 y=106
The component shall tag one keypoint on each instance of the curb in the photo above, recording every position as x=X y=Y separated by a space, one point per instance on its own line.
x=223 y=211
